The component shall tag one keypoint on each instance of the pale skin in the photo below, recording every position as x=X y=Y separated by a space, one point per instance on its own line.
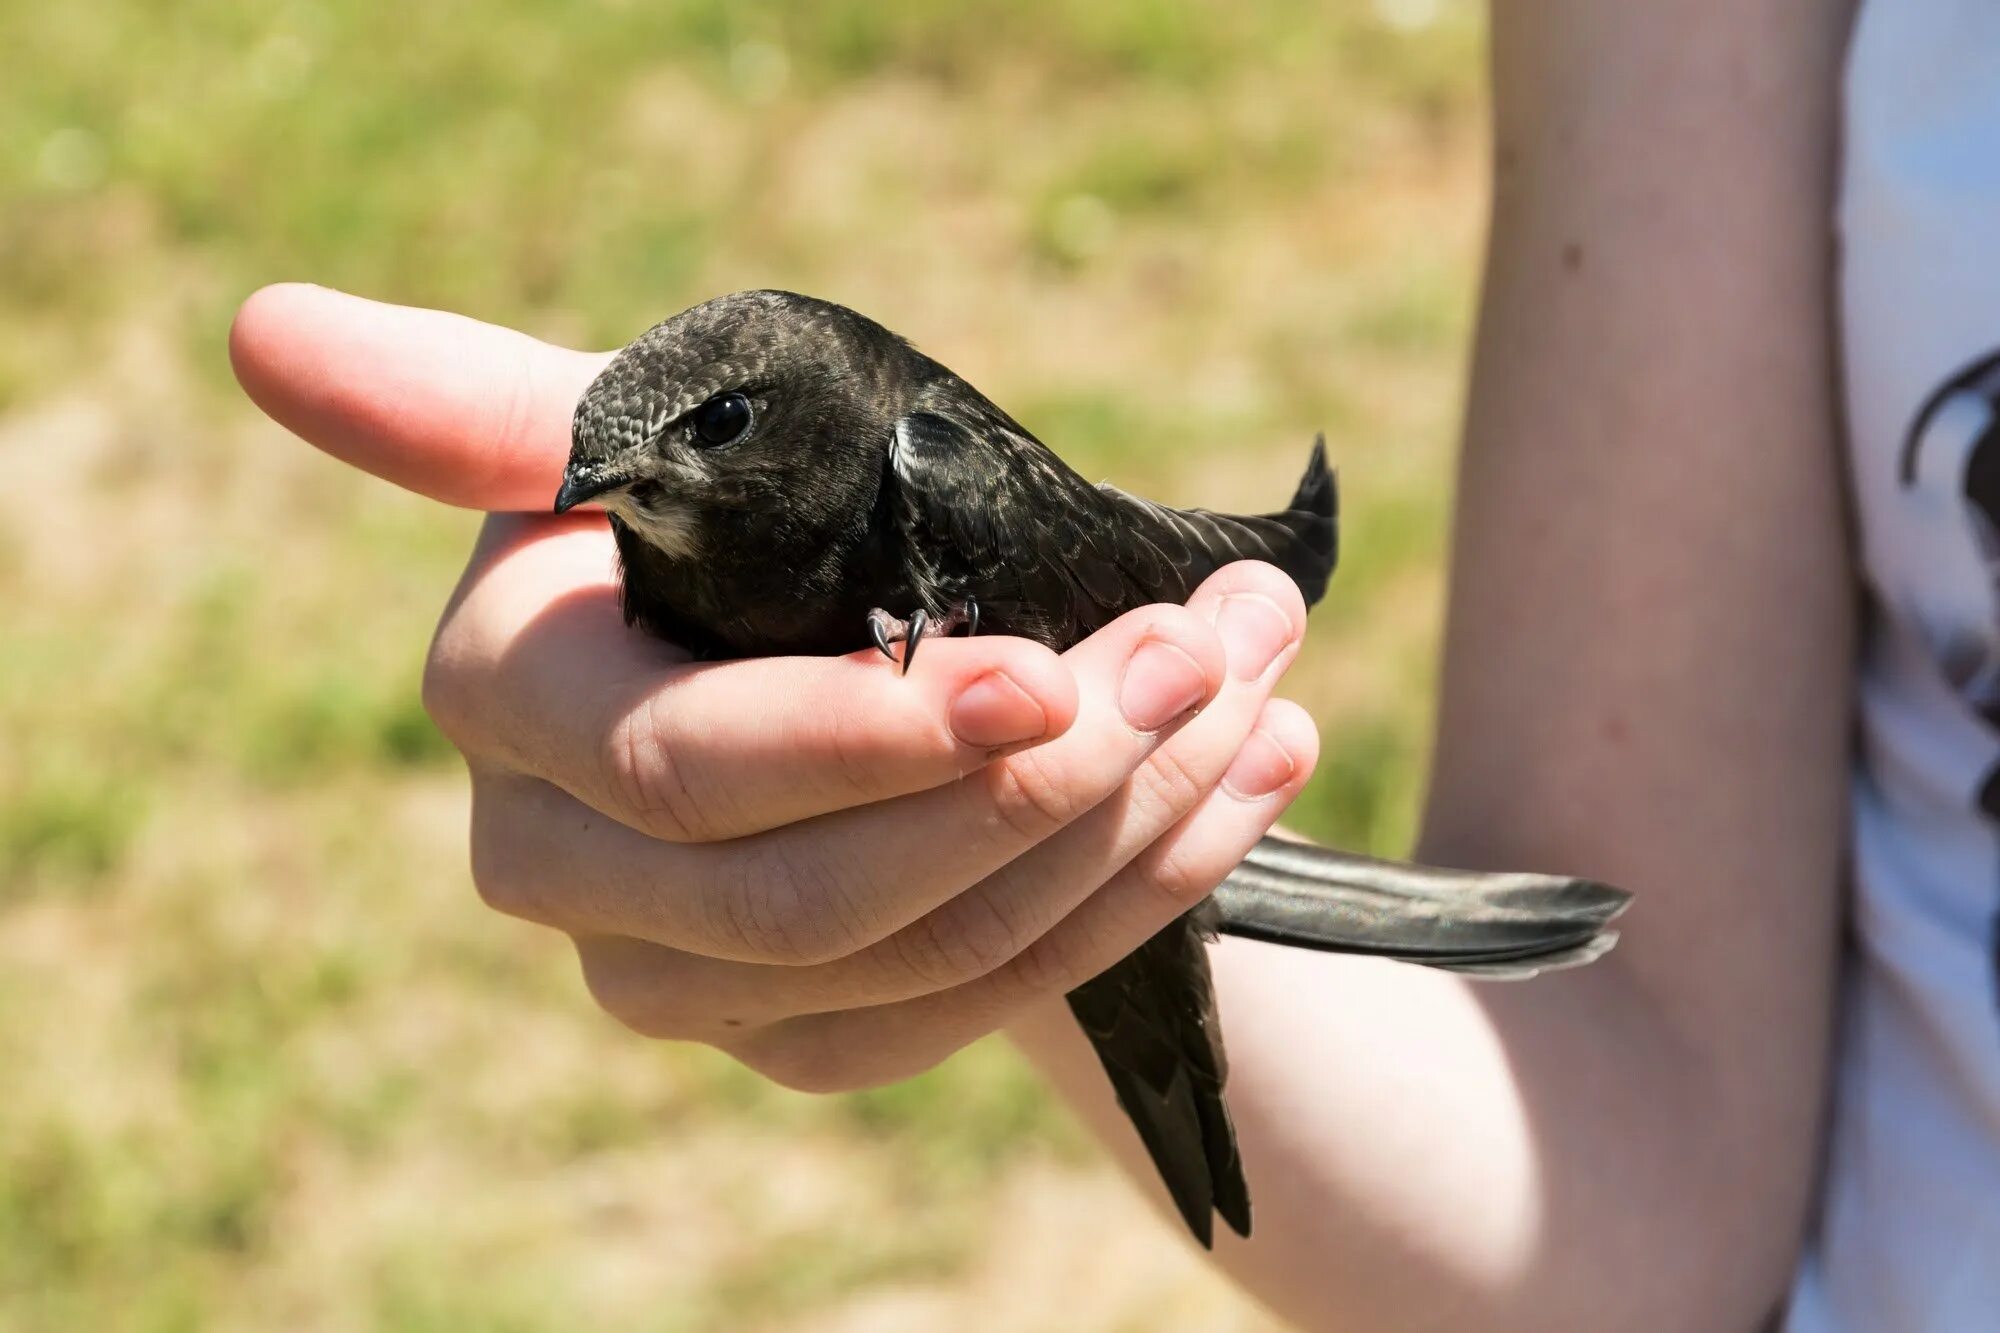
x=1646 y=681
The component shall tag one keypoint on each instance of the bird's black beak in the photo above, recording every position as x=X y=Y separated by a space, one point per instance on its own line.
x=586 y=482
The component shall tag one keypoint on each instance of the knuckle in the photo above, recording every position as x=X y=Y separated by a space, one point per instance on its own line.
x=836 y=1053
x=634 y=997
x=499 y=886
x=651 y=782
x=814 y=1058
x=1177 y=879
x=757 y=917
x=1049 y=966
x=1031 y=799
x=502 y=856
x=445 y=691
x=960 y=942
x=786 y=909
x=1168 y=784
x=855 y=752
x=517 y=417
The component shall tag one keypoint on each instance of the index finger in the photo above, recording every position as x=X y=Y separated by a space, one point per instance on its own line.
x=468 y=413
x=535 y=671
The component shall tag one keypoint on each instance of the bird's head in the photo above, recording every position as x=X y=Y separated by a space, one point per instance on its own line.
x=745 y=416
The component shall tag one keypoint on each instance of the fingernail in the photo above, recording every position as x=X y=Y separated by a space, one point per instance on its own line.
x=1161 y=683
x=1260 y=768
x=1253 y=631
x=993 y=711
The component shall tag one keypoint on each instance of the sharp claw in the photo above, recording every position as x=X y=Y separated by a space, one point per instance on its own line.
x=971 y=617
x=878 y=629
x=919 y=618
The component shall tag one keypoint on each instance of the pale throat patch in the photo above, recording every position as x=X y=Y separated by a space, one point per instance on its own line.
x=672 y=527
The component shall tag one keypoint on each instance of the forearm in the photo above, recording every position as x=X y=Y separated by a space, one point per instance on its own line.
x=1645 y=682
x=1428 y=1153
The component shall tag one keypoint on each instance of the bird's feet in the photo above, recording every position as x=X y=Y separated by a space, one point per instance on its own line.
x=886 y=629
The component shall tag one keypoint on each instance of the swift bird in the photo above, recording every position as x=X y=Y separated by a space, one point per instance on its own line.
x=784 y=475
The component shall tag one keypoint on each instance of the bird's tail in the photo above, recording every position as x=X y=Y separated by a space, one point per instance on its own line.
x=1503 y=926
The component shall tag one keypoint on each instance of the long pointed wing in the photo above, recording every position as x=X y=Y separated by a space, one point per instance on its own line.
x=1301 y=539
x=990 y=513
x=987 y=511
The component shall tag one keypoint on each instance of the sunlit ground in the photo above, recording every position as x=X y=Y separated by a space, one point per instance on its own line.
x=267 y=1063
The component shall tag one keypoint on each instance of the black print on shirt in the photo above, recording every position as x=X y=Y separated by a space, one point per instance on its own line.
x=1951 y=459
x=1951 y=464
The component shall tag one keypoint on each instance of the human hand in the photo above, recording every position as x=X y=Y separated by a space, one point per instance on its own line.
x=836 y=873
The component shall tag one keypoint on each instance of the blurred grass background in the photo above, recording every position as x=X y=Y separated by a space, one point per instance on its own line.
x=267 y=1062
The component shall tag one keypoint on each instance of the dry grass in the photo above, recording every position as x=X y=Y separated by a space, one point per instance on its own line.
x=269 y=1064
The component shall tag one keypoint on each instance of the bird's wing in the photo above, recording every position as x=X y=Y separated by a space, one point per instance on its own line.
x=1488 y=923
x=987 y=511
x=1301 y=539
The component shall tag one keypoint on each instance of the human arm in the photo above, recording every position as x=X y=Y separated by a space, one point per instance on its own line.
x=1646 y=681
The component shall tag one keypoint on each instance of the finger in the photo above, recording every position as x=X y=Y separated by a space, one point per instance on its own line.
x=706 y=752
x=1259 y=617
x=1258 y=614
x=818 y=890
x=464 y=412
x=860 y=1048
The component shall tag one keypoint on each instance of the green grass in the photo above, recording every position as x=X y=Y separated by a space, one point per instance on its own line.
x=269 y=1063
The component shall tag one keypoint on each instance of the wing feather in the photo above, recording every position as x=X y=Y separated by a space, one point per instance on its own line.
x=990 y=513
x=986 y=511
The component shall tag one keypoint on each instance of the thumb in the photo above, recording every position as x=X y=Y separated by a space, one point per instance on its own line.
x=468 y=413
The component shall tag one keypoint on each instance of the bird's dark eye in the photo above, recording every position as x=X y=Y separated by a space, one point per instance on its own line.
x=721 y=419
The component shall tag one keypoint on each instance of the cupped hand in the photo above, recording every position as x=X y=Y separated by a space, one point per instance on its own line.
x=837 y=873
